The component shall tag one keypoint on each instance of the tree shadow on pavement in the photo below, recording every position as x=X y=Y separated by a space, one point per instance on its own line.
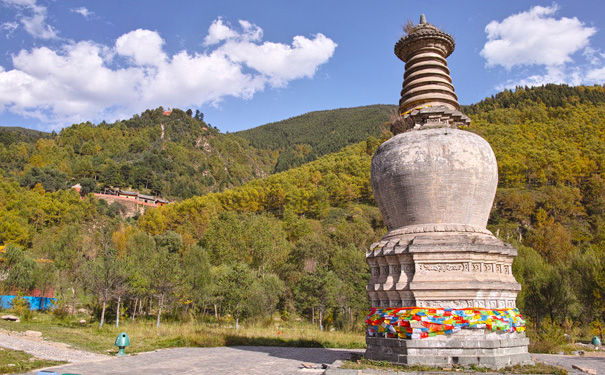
x=311 y=355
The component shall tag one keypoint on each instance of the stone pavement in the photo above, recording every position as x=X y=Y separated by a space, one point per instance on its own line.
x=223 y=360
x=268 y=361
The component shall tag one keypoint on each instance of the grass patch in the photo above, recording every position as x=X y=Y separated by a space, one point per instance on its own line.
x=362 y=363
x=12 y=361
x=144 y=336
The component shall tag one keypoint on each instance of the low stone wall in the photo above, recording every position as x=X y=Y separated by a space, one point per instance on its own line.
x=473 y=347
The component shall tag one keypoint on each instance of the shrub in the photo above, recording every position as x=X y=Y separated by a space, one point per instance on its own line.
x=548 y=338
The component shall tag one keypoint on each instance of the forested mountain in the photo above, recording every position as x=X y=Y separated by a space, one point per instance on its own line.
x=173 y=155
x=178 y=156
x=295 y=241
x=10 y=135
x=550 y=95
x=304 y=138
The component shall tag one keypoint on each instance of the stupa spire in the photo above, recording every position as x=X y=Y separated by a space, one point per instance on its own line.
x=426 y=81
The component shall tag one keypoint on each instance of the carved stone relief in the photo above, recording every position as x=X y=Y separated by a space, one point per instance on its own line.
x=408 y=267
x=440 y=267
x=395 y=303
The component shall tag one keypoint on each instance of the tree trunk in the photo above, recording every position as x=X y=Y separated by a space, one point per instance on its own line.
x=161 y=301
x=118 y=312
x=313 y=315
x=102 y=314
x=134 y=311
x=73 y=301
x=237 y=322
x=321 y=326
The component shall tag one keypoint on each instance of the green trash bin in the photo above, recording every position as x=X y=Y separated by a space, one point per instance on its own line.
x=122 y=341
x=596 y=342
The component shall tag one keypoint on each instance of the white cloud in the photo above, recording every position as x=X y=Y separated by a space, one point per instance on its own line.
x=198 y=79
x=143 y=46
x=84 y=12
x=9 y=27
x=539 y=42
x=33 y=18
x=36 y=25
x=71 y=83
x=87 y=81
x=596 y=75
x=553 y=74
x=534 y=37
x=20 y=3
x=219 y=32
x=275 y=60
x=593 y=56
x=251 y=32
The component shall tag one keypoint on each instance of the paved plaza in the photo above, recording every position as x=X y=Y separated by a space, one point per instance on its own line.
x=267 y=361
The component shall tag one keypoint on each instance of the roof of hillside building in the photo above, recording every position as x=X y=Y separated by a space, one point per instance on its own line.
x=126 y=192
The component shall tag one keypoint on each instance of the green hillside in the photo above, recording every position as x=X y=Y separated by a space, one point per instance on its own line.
x=304 y=138
x=175 y=156
x=10 y=135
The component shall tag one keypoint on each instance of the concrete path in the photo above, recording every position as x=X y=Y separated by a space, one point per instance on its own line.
x=33 y=343
x=249 y=360
x=588 y=361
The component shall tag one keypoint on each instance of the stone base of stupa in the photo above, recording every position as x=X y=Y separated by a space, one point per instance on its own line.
x=440 y=270
x=477 y=347
x=442 y=266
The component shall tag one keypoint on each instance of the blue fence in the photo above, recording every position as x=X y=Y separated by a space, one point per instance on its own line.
x=35 y=303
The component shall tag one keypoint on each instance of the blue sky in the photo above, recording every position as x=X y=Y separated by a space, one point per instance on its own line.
x=247 y=63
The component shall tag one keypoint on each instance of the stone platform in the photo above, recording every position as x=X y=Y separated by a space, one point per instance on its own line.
x=467 y=347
